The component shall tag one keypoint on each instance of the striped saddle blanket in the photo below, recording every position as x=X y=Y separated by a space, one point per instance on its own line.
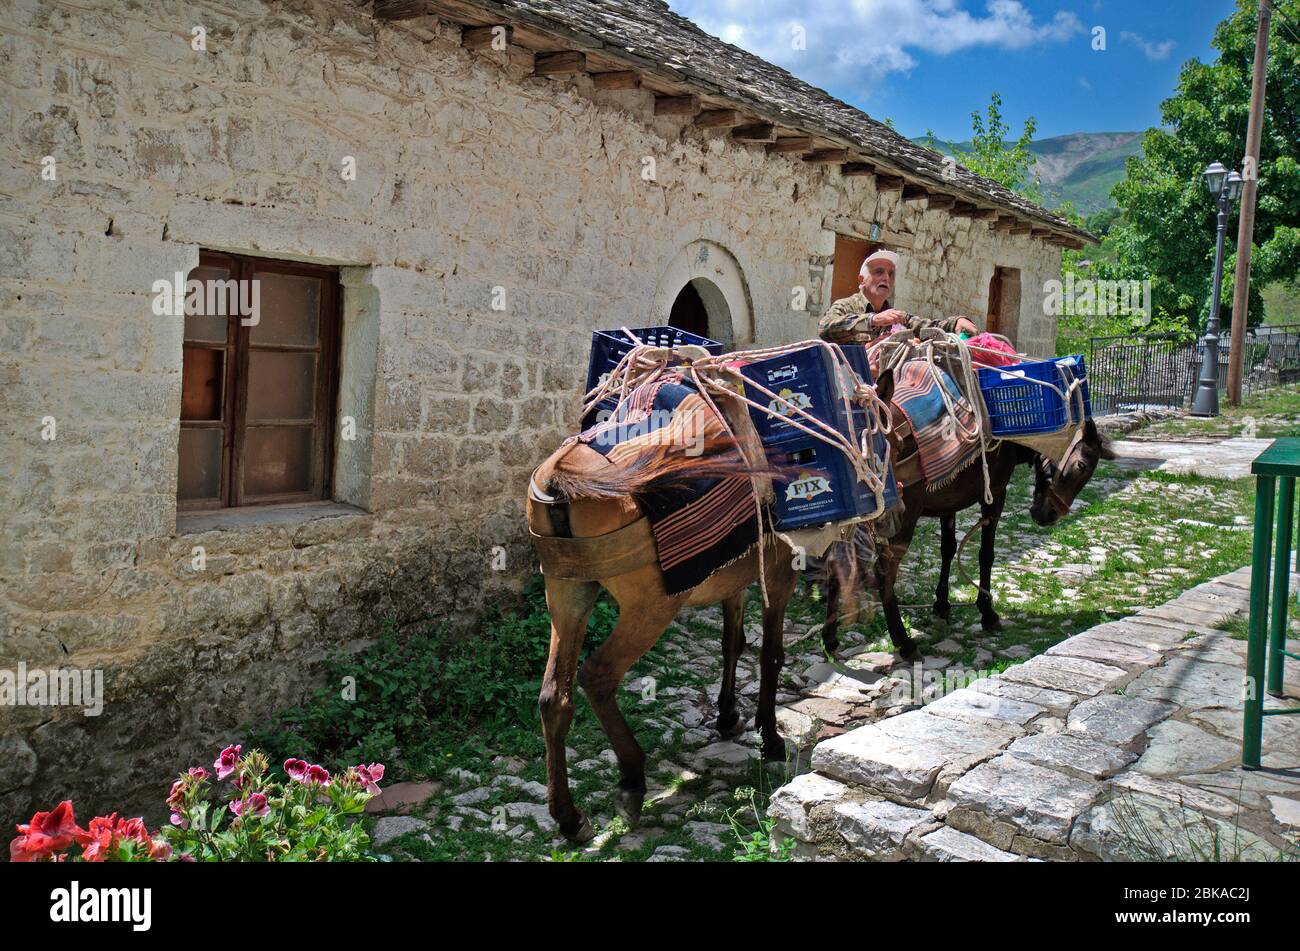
x=698 y=527
x=946 y=442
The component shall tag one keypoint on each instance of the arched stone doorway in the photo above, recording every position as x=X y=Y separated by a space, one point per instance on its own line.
x=703 y=291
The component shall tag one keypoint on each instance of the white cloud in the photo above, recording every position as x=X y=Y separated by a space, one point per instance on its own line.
x=863 y=40
x=1152 y=51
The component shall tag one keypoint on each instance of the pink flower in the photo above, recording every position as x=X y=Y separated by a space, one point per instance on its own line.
x=318 y=774
x=199 y=773
x=296 y=769
x=227 y=762
x=254 y=805
x=180 y=821
x=369 y=776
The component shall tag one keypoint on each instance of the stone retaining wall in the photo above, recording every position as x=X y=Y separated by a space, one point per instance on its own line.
x=1126 y=732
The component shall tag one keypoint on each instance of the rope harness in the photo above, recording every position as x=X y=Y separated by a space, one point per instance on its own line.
x=719 y=376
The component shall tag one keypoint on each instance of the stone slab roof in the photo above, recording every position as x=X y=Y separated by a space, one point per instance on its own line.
x=649 y=34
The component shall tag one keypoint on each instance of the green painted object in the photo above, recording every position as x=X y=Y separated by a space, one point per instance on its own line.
x=1280 y=459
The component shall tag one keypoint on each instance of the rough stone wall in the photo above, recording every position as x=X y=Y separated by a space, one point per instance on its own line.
x=471 y=175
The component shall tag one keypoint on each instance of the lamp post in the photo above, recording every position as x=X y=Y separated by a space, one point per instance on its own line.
x=1226 y=187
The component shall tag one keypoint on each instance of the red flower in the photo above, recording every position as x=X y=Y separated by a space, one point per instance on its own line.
x=318 y=774
x=227 y=762
x=296 y=769
x=100 y=842
x=48 y=832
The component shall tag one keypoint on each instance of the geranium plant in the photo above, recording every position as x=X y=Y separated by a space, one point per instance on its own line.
x=312 y=817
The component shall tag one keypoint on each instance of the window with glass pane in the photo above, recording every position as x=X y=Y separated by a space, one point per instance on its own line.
x=258 y=390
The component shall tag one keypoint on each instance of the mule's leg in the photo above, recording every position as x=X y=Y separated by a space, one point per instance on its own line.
x=888 y=561
x=989 y=619
x=834 y=570
x=639 y=626
x=733 y=641
x=780 y=586
x=947 y=548
x=569 y=603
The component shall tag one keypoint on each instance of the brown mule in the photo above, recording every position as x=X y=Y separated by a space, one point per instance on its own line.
x=577 y=494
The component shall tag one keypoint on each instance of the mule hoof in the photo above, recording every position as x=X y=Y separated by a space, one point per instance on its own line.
x=580 y=831
x=909 y=651
x=942 y=611
x=774 y=752
x=991 y=623
x=627 y=803
x=832 y=645
x=730 y=727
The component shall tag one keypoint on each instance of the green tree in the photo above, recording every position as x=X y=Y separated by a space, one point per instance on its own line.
x=993 y=155
x=1166 y=232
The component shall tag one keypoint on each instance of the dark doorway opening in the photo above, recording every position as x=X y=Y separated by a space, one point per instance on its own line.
x=849 y=255
x=689 y=312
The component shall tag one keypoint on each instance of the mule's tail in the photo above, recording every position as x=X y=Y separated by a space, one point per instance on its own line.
x=656 y=468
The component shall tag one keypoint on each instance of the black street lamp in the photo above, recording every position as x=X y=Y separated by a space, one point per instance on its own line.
x=1226 y=187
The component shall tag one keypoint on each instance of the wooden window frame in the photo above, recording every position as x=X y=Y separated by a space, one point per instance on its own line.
x=234 y=397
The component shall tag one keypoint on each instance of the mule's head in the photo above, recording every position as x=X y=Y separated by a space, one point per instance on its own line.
x=1057 y=484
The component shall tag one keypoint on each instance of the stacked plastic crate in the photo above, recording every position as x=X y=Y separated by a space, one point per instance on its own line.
x=826 y=488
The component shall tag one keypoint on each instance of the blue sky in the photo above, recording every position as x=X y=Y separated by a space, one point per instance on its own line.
x=927 y=64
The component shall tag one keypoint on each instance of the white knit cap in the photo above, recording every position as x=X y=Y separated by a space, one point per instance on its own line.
x=881 y=255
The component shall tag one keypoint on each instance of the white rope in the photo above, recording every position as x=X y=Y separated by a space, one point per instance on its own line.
x=716 y=374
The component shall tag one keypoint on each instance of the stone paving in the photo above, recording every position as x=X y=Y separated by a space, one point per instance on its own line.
x=1120 y=743
x=1222 y=459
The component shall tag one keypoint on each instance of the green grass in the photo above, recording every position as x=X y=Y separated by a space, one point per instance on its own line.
x=1267 y=415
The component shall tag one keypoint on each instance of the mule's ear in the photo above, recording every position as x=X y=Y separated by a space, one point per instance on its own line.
x=885 y=386
x=1092 y=435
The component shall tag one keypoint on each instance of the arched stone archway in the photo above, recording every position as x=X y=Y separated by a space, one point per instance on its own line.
x=714 y=277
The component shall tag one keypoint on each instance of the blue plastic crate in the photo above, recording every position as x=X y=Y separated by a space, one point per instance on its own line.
x=856 y=354
x=609 y=347
x=1018 y=406
x=805 y=378
x=824 y=490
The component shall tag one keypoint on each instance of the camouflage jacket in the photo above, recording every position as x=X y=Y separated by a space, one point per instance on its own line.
x=849 y=321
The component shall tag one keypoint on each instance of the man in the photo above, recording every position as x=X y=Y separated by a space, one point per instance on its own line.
x=868 y=314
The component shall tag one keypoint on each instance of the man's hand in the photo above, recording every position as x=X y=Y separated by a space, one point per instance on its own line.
x=887 y=318
x=965 y=325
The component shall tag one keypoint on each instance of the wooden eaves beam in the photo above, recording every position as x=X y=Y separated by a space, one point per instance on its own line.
x=563 y=63
x=399 y=9
x=484 y=37
x=718 y=118
x=791 y=143
x=827 y=156
x=755 y=132
x=687 y=105
x=617 y=79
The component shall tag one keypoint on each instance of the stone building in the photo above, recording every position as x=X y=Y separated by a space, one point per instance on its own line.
x=439 y=202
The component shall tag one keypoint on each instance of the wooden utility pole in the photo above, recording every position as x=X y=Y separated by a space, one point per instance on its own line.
x=1246 y=227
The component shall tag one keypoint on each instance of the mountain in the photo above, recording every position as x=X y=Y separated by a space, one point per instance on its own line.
x=1081 y=167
